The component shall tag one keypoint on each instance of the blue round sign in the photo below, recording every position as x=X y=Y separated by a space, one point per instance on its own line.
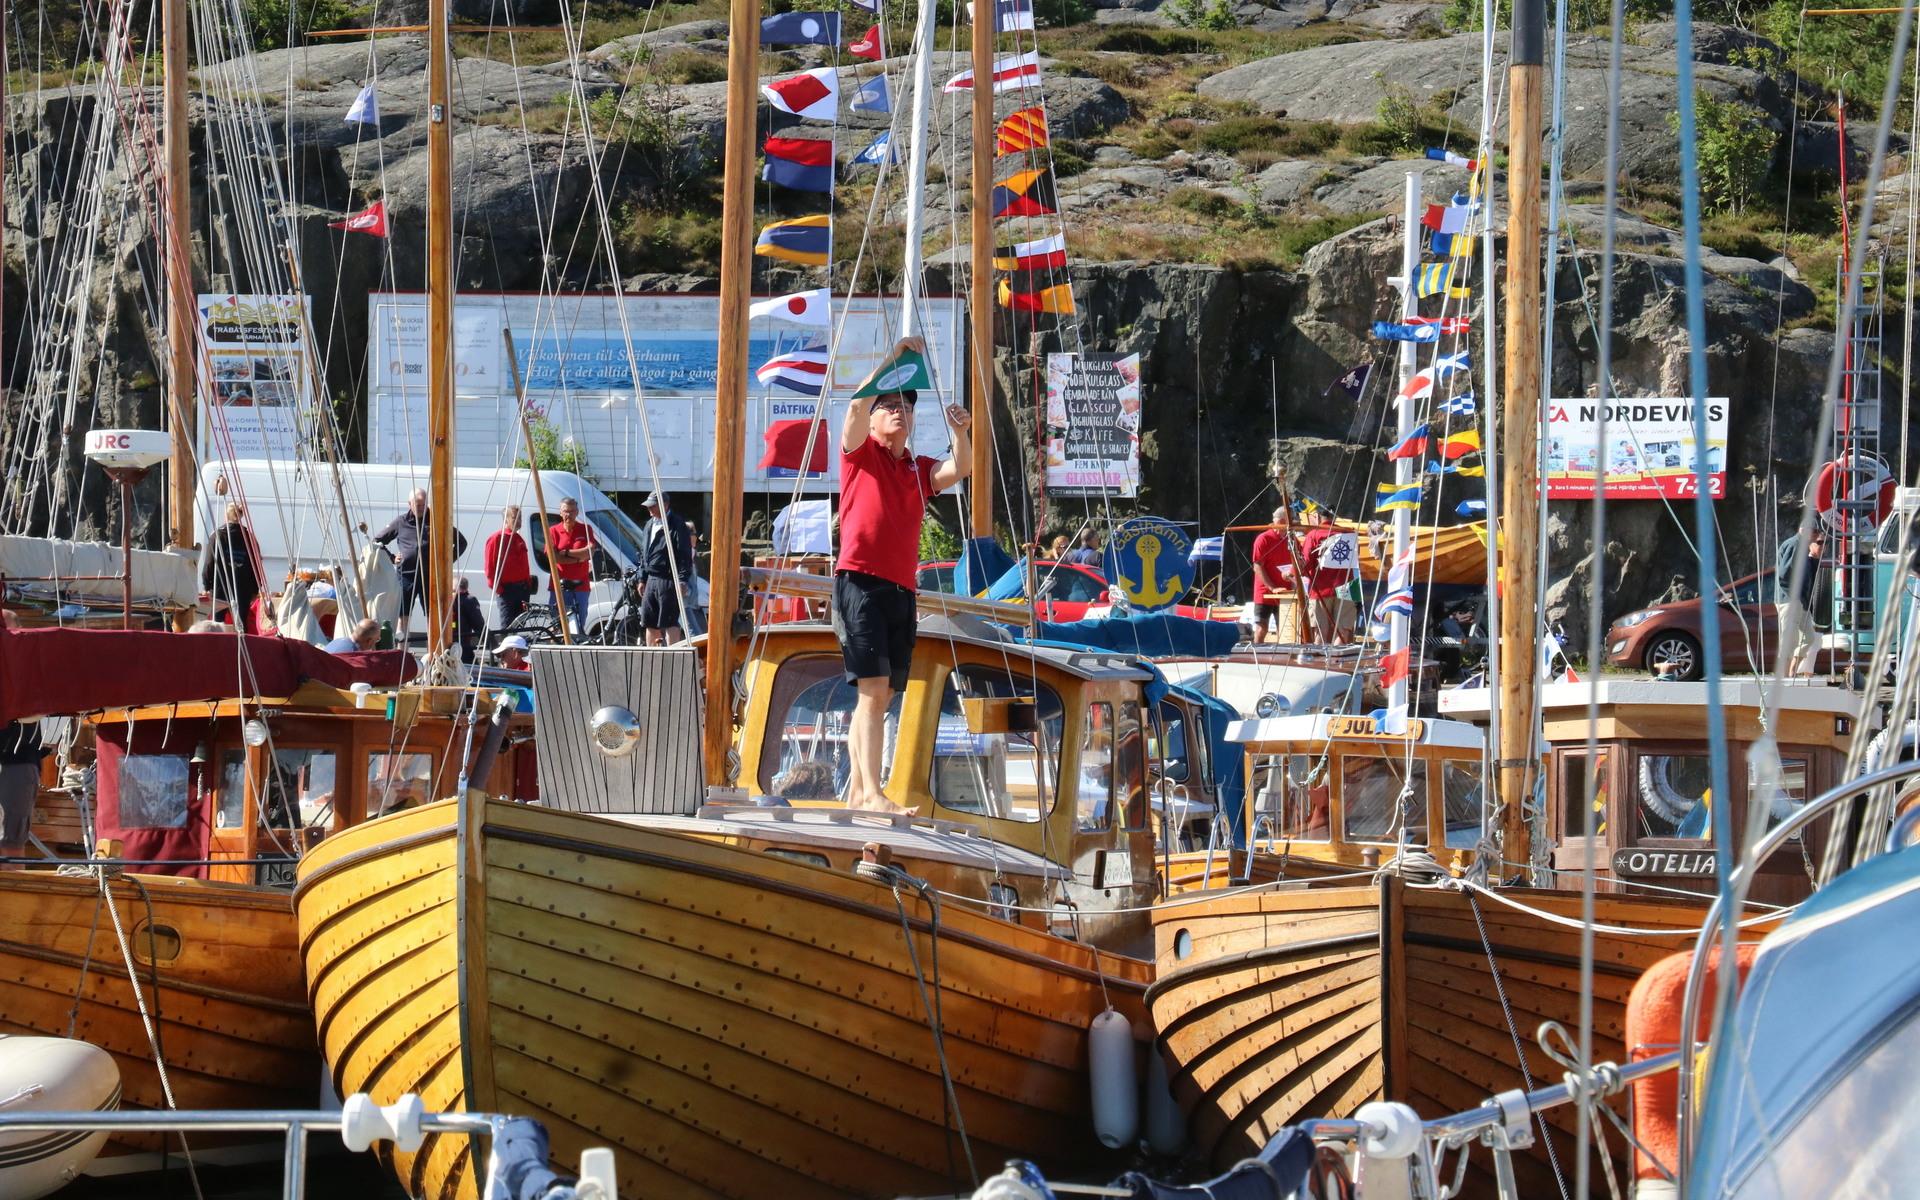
x=1150 y=560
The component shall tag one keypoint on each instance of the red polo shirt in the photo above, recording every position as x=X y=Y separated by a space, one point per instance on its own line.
x=1271 y=552
x=883 y=500
x=506 y=559
x=560 y=539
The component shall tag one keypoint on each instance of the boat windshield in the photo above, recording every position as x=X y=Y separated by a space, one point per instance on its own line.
x=812 y=711
x=1010 y=775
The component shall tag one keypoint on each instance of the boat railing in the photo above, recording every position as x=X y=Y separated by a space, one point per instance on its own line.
x=803 y=585
x=516 y=1164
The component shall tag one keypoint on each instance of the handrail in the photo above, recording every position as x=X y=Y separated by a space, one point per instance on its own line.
x=804 y=585
x=1736 y=895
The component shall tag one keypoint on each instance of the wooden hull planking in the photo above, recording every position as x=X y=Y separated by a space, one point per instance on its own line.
x=219 y=976
x=1296 y=1004
x=731 y=1022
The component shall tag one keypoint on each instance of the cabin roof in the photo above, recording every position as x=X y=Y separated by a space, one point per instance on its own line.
x=1327 y=727
x=1087 y=664
x=1746 y=692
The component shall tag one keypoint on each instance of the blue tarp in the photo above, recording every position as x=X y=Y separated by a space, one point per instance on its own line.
x=1012 y=584
x=1229 y=779
x=982 y=561
x=1152 y=635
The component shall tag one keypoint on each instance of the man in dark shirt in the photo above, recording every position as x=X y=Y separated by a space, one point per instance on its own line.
x=229 y=576
x=469 y=620
x=667 y=543
x=1089 y=554
x=20 y=754
x=409 y=537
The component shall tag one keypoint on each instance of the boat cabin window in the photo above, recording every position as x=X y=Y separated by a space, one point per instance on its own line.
x=153 y=791
x=1792 y=794
x=811 y=714
x=1130 y=765
x=1461 y=791
x=1668 y=789
x=1294 y=799
x=299 y=792
x=1370 y=791
x=1573 y=796
x=1094 y=794
x=232 y=810
x=397 y=781
x=1009 y=776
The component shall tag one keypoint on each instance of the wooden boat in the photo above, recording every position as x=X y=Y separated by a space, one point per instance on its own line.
x=1271 y=1005
x=716 y=991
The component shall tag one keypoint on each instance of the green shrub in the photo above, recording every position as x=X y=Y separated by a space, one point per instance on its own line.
x=1241 y=133
x=270 y=21
x=1734 y=150
x=1215 y=15
x=690 y=66
x=936 y=543
x=551 y=452
x=1398 y=119
x=1202 y=201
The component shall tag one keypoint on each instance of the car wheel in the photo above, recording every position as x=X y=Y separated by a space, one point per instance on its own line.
x=1674 y=655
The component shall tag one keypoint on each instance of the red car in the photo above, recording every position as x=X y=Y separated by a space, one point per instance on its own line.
x=1665 y=639
x=1067 y=590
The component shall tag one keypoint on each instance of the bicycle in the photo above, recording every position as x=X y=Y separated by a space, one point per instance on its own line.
x=622 y=626
x=537 y=623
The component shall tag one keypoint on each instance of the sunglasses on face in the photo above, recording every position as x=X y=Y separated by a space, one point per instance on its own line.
x=890 y=404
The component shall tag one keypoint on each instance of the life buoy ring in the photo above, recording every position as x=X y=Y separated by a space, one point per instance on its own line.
x=1856 y=477
x=1654 y=1009
x=1657 y=790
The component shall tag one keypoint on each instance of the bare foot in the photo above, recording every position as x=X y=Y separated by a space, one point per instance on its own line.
x=873 y=803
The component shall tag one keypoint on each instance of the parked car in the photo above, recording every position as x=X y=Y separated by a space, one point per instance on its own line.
x=1666 y=638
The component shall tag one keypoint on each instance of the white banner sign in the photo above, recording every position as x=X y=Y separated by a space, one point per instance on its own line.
x=260 y=377
x=1649 y=452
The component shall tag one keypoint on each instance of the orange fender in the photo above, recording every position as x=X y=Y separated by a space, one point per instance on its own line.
x=1653 y=1028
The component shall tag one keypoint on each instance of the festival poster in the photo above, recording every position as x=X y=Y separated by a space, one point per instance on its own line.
x=260 y=382
x=1649 y=452
x=1093 y=424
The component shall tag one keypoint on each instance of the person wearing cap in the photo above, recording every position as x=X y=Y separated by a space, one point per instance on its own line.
x=666 y=542
x=512 y=653
x=884 y=488
x=572 y=545
x=507 y=569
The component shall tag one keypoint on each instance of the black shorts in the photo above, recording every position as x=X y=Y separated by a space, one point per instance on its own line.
x=659 y=605
x=413 y=586
x=1262 y=613
x=874 y=619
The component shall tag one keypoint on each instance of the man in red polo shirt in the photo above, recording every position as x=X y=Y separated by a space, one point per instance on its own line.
x=883 y=500
x=1272 y=573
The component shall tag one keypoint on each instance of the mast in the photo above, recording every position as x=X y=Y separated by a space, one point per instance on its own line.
x=1519 y=500
x=924 y=31
x=439 y=323
x=980 y=335
x=1403 y=468
x=730 y=393
x=181 y=316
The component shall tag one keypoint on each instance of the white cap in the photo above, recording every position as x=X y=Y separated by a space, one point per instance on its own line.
x=516 y=642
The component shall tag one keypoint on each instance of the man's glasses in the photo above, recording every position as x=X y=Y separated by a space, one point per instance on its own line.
x=890 y=403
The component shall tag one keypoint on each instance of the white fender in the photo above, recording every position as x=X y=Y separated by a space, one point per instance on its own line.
x=1116 y=1090
x=45 y=1074
x=1166 y=1124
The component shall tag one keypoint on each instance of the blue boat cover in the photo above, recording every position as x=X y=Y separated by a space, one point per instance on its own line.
x=1228 y=758
x=982 y=561
x=1154 y=635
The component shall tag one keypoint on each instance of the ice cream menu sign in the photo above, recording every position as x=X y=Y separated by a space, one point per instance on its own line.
x=1093 y=424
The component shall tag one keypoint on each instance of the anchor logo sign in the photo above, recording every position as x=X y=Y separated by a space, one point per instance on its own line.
x=1149 y=560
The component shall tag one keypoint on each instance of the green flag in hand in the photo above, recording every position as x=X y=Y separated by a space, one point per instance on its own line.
x=906 y=373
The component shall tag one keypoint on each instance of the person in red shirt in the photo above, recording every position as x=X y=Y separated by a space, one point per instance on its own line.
x=1333 y=613
x=507 y=570
x=571 y=544
x=883 y=500
x=1272 y=573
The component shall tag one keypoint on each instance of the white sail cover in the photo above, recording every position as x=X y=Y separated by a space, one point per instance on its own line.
x=160 y=577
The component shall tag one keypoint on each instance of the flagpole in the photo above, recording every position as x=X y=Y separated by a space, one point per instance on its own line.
x=925 y=30
x=980 y=333
x=1398 y=622
x=439 y=324
x=181 y=314
x=730 y=392
x=1519 y=644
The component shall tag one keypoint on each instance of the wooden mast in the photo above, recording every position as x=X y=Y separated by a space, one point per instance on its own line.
x=439 y=324
x=730 y=393
x=980 y=318
x=1520 y=491
x=181 y=315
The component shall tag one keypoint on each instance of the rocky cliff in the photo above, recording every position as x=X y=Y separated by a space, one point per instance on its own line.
x=1239 y=345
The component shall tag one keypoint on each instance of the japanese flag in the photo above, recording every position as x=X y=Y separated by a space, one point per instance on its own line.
x=802 y=308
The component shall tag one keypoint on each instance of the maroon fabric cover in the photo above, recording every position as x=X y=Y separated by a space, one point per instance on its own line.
x=190 y=841
x=61 y=672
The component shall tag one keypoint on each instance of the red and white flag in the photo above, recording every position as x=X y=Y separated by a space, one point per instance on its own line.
x=867 y=46
x=1017 y=71
x=1043 y=254
x=802 y=308
x=814 y=94
x=803 y=370
x=371 y=219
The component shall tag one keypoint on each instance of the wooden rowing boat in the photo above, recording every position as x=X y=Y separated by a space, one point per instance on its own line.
x=732 y=1021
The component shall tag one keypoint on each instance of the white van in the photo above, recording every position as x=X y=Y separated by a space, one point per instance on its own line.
x=296 y=518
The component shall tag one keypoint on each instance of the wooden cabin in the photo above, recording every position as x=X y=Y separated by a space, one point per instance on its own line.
x=1341 y=793
x=1649 y=825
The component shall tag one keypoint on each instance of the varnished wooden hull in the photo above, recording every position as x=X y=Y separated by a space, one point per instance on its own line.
x=1297 y=1004
x=224 y=989
x=1196 y=870
x=731 y=1023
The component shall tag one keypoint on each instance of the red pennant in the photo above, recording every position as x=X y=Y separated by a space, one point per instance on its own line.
x=1393 y=668
x=868 y=46
x=371 y=219
x=787 y=447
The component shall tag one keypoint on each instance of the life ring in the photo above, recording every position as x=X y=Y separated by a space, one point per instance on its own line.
x=1855 y=477
x=1657 y=791
x=1653 y=1027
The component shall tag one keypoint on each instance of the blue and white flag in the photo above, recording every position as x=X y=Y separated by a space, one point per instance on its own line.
x=872 y=96
x=800 y=29
x=878 y=151
x=1472 y=510
x=1458 y=406
x=1447 y=364
x=1008 y=15
x=1392 y=332
x=365 y=110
